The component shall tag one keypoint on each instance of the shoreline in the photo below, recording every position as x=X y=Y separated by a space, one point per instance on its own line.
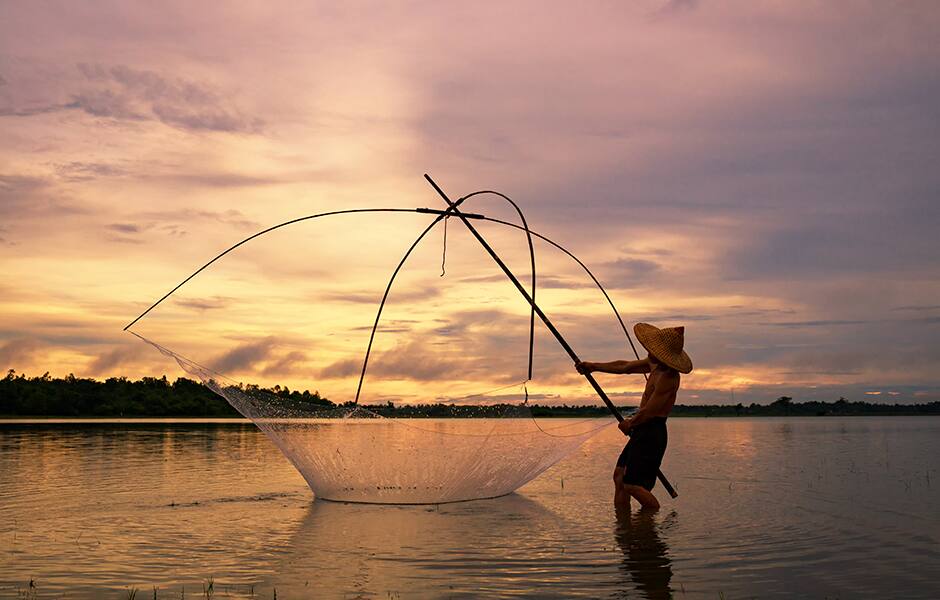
x=44 y=420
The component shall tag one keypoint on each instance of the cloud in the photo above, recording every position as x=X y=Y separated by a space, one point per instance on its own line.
x=542 y=281
x=464 y=345
x=820 y=323
x=675 y=317
x=108 y=362
x=123 y=239
x=203 y=304
x=553 y=282
x=341 y=368
x=262 y=357
x=18 y=353
x=27 y=196
x=124 y=233
x=866 y=242
x=626 y=273
x=231 y=217
x=8 y=111
x=124 y=227
x=245 y=357
x=291 y=363
x=77 y=171
x=171 y=222
x=395 y=296
x=483 y=278
x=150 y=173
x=209 y=179
x=918 y=308
x=413 y=361
x=674 y=7
x=125 y=93
x=390 y=326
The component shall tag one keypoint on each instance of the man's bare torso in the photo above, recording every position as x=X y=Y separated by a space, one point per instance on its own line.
x=664 y=384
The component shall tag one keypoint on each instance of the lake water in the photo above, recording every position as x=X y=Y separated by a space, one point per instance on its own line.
x=777 y=507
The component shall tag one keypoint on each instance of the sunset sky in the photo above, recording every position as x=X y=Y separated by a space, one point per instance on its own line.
x=765 y=173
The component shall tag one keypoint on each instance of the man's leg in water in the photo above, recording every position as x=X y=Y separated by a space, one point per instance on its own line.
x=646 y=498
x=621 y=497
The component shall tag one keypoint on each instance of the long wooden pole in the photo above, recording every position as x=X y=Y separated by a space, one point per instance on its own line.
x=542 y=316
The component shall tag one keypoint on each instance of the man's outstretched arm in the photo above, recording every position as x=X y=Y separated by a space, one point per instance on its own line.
x=619 y=367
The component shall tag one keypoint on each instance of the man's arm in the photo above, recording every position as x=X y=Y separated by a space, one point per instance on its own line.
x=658 y=405
x=619 y=367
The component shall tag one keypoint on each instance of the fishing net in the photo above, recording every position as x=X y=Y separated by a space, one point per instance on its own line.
x=353 y=454
x=458 y=447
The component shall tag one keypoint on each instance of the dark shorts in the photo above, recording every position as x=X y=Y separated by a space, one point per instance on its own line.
x=643 y=454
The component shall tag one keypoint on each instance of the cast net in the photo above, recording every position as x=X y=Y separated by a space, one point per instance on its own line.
x=441 y=339
x=353 y=454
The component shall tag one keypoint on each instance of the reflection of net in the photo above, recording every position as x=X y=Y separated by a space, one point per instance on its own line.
x=349 y=453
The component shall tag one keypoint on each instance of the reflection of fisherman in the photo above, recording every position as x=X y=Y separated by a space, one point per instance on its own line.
x=639 y=462
x=645 y=554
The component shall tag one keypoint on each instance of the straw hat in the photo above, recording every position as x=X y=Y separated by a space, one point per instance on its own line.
x=665 y=345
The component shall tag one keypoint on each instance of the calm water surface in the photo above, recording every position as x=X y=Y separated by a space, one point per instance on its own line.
x=807 y=507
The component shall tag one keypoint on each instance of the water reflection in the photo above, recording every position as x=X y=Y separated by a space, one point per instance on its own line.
x=769 y=507
x=646 y=559
x=460 y=550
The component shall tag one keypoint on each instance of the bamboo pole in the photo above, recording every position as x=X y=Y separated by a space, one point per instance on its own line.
x=561 y=340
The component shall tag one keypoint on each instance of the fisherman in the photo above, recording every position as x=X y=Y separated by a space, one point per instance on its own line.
x=638 y=465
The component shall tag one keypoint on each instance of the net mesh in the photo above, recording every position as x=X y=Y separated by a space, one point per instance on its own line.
x=353 y=454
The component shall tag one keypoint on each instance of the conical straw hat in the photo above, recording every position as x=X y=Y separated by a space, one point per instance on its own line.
x=665 y=345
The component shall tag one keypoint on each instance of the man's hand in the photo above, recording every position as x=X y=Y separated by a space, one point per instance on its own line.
x=625 y=426
x=584 y=367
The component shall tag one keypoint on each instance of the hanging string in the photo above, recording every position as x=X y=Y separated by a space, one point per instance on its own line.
x=444 y=248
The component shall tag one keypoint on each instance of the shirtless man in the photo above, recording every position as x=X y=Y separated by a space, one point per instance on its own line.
x=635 y=474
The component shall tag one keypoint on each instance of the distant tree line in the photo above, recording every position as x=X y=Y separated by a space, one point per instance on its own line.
x=71 y=396
x=785 y=406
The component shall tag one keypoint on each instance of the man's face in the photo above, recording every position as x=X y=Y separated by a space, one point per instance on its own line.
x=653 y=361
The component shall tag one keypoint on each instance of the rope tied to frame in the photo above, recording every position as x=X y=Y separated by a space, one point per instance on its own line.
x=444 y=247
